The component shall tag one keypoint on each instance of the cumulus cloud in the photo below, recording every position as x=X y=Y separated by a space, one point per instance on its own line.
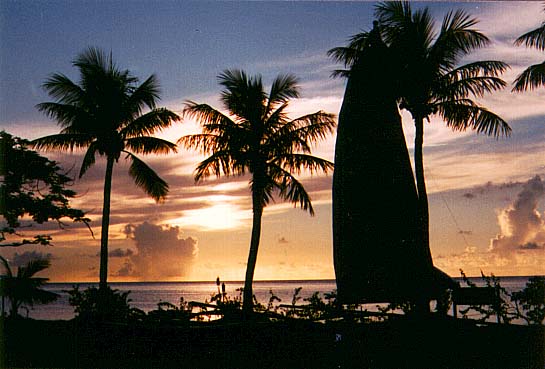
x=160 y=254
x=522 y=226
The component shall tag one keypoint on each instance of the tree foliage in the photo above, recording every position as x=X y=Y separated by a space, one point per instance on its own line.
x=429 y=78
x=32 y=187
x=24 y=288
x=110 y=114
x=533 y=76
x=257 y=137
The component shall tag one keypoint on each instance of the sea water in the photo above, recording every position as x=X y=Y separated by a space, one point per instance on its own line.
x=146 y=295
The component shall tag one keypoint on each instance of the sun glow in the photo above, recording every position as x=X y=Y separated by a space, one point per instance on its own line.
x=220 y=216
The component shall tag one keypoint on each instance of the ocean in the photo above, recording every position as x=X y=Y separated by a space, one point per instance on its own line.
x=146 y=295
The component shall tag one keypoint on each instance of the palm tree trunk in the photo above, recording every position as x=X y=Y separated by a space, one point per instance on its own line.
x=248 y=302
x=423 y=207
x=105 y=224
x=423 y=213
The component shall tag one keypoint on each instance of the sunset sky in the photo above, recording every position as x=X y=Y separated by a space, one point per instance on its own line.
x=487 y=196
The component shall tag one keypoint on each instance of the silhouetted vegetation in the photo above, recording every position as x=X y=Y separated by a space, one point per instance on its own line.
x=429 y=80
x=31 y=186
x=531 y=300
x=310 y=332
x=24 y=289
x=104 y=114
x=533 y=76
x=527 y=305
x=259 y=139
x=93 y=304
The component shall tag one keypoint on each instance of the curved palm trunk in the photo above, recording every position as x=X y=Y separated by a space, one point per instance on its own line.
x=248 y=302
x=105 y=224
x=422 y=304
x=423 y=208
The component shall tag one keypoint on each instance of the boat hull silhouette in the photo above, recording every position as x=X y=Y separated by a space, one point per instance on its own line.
x=377 y=255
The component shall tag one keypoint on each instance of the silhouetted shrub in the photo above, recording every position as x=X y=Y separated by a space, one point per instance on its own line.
x=168 y=312
x=532 y=301
x=107 y=304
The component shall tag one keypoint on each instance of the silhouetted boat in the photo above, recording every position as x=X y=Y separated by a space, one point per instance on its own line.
x=377 y=254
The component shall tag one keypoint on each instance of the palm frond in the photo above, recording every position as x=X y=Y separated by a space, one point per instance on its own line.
x=348 y=55
x=276 y=119
x=457 y=87
x=93 y=57
x=534 y=38
x=89 y=158
x=292 y=190
x=295 y=163
x=300 y=133
x=284 y=87
x=145 y=95
x=147 y=179
x=32 y=267
x=311 y=127
x=206 y=143
x=207 y=115
x=149 y=123
x=243 y=96
x=532 y=77
x=66 y=115
x=149 y=145
x=463 y=114
x=490 y=68
x=394 y=17
x=9 y=273
x=62 y=89
x=344 y=54
x=340 y=73
x=220 y=162
x=456 y=39
x=62 y=141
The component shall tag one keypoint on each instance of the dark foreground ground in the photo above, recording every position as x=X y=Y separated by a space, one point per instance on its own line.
x=403 y=343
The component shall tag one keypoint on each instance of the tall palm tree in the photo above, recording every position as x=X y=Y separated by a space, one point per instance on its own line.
x=430 y=80
x=533 y=76
x=105 y=114
x=23 y=288
x=258 y=138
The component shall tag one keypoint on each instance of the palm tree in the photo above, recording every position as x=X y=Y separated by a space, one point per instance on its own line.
x=533 y=76
x=430 y=80
x=24 y=288
x=104 y=113
x=258 y=138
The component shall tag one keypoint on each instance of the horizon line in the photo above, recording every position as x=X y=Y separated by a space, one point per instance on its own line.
x=279 y=280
